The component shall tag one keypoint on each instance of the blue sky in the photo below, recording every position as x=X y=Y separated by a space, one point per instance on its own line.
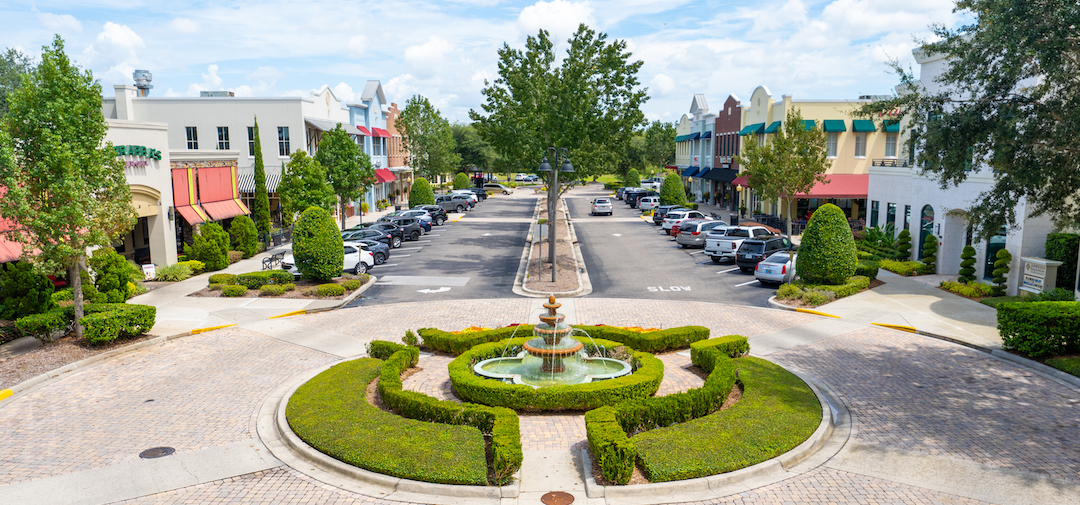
x=446 y=49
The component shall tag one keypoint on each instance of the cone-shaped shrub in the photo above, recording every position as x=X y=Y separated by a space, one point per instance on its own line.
x=211 y=246
x=672 y=193
x=967 y=265
x=317 y=245
x=421 y=193
x=633 y=178
x=827 y=252
x=461 y=181
x=903 y=244
x=929 y=255
x=245 y=237
x=1001 y=272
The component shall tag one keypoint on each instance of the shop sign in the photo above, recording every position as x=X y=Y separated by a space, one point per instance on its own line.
x=138 y=151
x=1033 y=283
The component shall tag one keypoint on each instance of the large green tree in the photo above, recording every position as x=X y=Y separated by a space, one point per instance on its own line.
x=659 y=144
x=474 y=152
x=1007 y=101
x=792 y=162
x=13 y=65
x=303 y=184
x=348 y=168
x=428 y=138
x=262 y=199
x=66 y=188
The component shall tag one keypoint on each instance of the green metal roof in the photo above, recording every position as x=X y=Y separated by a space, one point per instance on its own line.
x=863 y=125
x=835 y=125
x=773 y=127
x=754 y=128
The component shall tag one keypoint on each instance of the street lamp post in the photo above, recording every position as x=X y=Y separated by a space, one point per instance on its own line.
x=553 y=196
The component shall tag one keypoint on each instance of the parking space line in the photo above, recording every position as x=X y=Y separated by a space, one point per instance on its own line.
x=745 y=283
x=409 y=248
x=402 y=255
x=384 y=265
x=728 y=270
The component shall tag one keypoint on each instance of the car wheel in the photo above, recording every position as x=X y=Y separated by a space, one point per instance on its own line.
x=380 y=258
x=506 y=192
x=360 y=268
x=715 y=259
x=460 y=209
x=415 y=236
x=395 y=242
x=439 y=221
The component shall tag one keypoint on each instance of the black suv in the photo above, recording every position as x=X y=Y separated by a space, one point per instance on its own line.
x=438 y=214
x=411 y=228
x=481 y=193
x=634 y=197
x=660 y=213
x=357 y=234
x=753 y=250
x=397 y=235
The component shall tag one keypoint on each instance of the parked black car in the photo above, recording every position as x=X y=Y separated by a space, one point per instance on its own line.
x=438 y=214
x=411 y=228
x=396 y=233
x=661 y=212
x=621 y=191
x=480 y=193
x=359 y=234
x=753 y=250
x=633 y=197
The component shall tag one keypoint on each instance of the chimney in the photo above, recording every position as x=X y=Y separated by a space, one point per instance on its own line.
x=142 y=82
x=125 y=109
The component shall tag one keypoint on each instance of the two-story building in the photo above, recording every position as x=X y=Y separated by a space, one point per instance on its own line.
x=725 y=167
x=695 y=138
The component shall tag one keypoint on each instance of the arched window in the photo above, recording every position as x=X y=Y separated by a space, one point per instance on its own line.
x=927 y=227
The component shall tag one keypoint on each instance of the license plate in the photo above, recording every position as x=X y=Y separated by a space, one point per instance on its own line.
x=748 y=256
x=768 y=270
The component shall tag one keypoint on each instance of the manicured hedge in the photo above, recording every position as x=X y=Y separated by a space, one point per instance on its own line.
x=1040 y=328
x=107 y=322
x=732 y=346
x=649 y=341
x=256 y=280
x=969 y=289
x=331 y=289
x=904 y=268
x=866 y=268
x=852 y=286
x=233 y=290
x=271 y=290
x=331 y=413
x=222 y=279
x=500 y=423
x=42 y=326
x=350 y=285
x=648 y=373
x=827 y=251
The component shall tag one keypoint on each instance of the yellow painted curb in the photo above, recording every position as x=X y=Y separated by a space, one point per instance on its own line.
x=808 y=311
x=287 y=314
x=900 y=327
x=197 y=331
x=5 y=393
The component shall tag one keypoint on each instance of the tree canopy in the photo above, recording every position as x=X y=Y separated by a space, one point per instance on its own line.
x=13 y=65
x=303 y=184
x=1008 y=102
x=428 y=138
x=659 y=148
x=261 y=208
x=473 y=151
x=791 y=163
x=348 y=168
x=589 y=104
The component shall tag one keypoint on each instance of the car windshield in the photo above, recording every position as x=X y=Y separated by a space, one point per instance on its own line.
x=676 y=215
x=738 y=232
x=752 y=247
x=713 y=226
x=779 y=258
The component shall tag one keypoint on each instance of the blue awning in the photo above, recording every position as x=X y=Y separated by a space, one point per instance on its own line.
x=701 y=173
x=773 y=127
x=706 y=135
x=693 y=136
x=689 y=171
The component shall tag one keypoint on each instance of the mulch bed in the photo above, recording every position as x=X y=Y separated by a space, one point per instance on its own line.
x=301 y=285
x=798 y=304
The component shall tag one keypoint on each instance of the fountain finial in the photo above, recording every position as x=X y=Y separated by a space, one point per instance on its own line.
x=551 y=305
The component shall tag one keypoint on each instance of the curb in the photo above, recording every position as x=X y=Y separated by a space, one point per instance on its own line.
x=584 y=285
x=274 y=431
x=1037 y=367
x=833 y=431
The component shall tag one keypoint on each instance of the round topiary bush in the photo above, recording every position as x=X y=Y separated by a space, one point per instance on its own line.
x=633 y=178
x=671 y=192
x=245 y=237
x=233 y=290
x=317 y=246
x=331 y=289
x=421 y=193
x=271 y=290
x=967 y=264
x=461 y=181
x=211 y=246
x=827 y=252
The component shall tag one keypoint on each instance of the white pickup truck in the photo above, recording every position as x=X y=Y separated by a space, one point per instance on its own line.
x=721 y=244
x=653 y=183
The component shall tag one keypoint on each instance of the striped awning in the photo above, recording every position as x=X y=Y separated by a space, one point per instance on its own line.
x=246 y=179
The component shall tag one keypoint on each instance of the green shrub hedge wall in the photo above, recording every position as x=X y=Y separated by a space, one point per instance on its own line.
x=827 y=251
x=222 y=279
x=1040 y=328
x=649 y=341
x=317 y=246
x=117 y=320
x=904 y=268
x=868 y=269
x=853 y=285
x=648 y=373
x=23 y=292
x=1063 y=247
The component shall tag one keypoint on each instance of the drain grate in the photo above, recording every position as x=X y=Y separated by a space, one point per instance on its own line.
x=557 y=498
x=156 y=452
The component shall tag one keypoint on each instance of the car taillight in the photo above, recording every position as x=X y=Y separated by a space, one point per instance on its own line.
x=783 y=269
x=695 y=233
x=757 y=267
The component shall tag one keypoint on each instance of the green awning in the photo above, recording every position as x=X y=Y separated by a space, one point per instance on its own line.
x=773 y=127
x=835 y=125
x=892 y=126
x=809 y=124
x=863 y=126
x=754 y=128
x=681 y=138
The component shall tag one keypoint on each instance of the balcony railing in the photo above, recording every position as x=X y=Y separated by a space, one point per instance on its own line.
x=892 y=162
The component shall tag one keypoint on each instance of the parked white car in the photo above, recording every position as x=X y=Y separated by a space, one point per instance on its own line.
x=357 y=260
x=720 y=246
x=777 y=268
x=649 y=202
x=472 y=196
x=675 y=217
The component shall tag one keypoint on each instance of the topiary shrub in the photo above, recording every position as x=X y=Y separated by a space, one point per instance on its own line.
x=112 y=321
x=312 y=291
x=968 y=289
x=289 y=286
x=223 y=279
x=633 y=178
x=827 y=251
x=245 y=237
x=929 y=255
x=317 y=246
x=44 y=326
x=967 y=265
x=235 y=256
x=23 y=292
x=112 y=273
x=173 y=273
x=1063 y=247
x=331 y=289
x=671 y=192
x=461 y=181
x=255 y=280
x=233 y=290
x=211 y=246
x=866 y=268
x=1040 y=328
x=271 y=290
x=1001 y=272
x=815 y=297
x=903 y=245
x=216 y=287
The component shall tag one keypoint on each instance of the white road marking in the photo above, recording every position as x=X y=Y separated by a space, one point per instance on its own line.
x=728 y=270
x=409 y=248
x=698 y=252
x=669 y=288
x=617 y=234
x=384 y=265
x=486 y=235
x=429 y=291
x=423 y=280
x=746 y=283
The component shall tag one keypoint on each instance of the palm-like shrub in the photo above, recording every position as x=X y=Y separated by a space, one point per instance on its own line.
x=903 y=244
x=1001 y=272
x=245 y=236
x=421 y=193
x=317 y=245
x=929 y=255
x=827 y=251
x=461 y=181
x=633 y=178
x=671 y=192
x=967 y=265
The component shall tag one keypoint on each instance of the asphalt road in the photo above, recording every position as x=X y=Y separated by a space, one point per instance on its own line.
x=475 y=257
x=627 y=257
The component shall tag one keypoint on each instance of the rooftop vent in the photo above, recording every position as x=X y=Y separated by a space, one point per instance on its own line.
x=216 y=94
x=142 y=81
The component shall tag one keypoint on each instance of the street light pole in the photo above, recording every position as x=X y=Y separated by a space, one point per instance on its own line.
x=553 y=196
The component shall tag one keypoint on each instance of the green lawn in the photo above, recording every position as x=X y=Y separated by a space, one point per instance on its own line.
x=1069 y=365
x=777 y=412
x=331 y=413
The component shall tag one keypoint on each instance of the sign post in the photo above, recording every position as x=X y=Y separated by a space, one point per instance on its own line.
x=1040 y=275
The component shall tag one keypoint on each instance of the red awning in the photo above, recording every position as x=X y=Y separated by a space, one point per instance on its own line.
x=225 y=209
x=193 y=214
x=385 y=175
x=379 y=132
x=9 y=251
x=742 y=180
x=840 y=186
x=363 y=130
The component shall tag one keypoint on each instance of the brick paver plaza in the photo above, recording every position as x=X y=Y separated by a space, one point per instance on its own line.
x=904 y=392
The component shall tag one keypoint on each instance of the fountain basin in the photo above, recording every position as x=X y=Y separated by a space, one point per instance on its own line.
x=522 y=370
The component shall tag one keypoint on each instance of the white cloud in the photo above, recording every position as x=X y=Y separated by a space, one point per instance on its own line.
x=119 y=37
x=559 y=17
x=345 y=93
x=184 y=25
x=661 y=84
x=115 y=48
x=211 y=82
x=358 y=46
x=426 y=58
x=60 y=22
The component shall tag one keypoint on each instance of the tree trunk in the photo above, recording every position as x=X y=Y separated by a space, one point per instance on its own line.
x=75 y=275
x=341 y=211
x=789 y=217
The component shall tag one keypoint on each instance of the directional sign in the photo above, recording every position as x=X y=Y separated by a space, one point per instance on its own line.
x=668 y=288
x=429 y=291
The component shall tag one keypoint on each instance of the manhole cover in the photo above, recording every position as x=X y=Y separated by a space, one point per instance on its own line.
x=158 y=452
x=557 y=498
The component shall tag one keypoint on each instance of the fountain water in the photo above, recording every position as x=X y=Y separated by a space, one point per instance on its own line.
x=552 y=358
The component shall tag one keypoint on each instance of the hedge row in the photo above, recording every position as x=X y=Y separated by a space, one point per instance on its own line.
x=1040 y=328
x=648 y=373
x=500 y=423
x=853 y=285
x=607 y=428
x=331 y=413
x=972 y=289
x=649 y=341
x=102 y=322
x=904 y=268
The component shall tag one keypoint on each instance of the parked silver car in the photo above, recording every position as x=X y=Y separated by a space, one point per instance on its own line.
x=777 y=268
x=692 y=233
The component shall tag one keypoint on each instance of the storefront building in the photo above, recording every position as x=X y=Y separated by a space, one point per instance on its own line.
x=697 y=143
x=726 y=148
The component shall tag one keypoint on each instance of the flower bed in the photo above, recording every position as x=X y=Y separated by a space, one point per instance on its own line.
x=280 y=286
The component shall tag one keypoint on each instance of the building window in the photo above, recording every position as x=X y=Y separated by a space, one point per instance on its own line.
x=907 y=216
x=890 y=144
x=251 y=140
x=283 y=140
x=192 y=137
x=830 y=145
x=860 y=145
x=223 y=137
x=890 y=215
x=873 y=213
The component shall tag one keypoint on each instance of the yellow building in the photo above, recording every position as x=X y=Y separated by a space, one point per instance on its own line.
x=854 y=145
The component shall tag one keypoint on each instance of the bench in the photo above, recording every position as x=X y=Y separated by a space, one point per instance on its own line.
x=273 y=261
